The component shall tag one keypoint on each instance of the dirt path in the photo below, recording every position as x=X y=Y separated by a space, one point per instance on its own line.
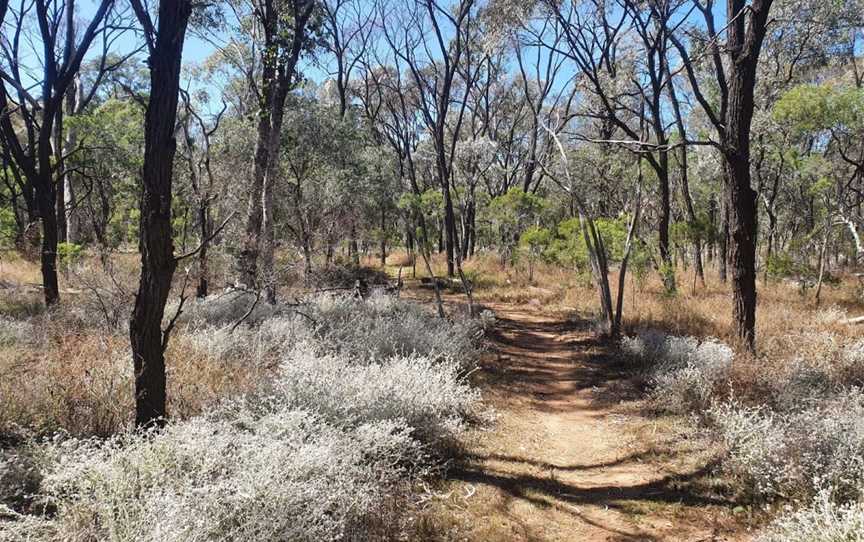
x=566 y=459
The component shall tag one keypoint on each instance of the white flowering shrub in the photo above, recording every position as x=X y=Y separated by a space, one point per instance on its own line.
x=268 y=473
x=851 y=364
x=823 y=521
x=854 y=353
x=13 y=332
x=684 y=373
x=260 y=345
x=430 y=395
x=19 y=478
x=789 y=454
x=799 y=384
x=359 y=397
x=382 y=326
x=224 y=308
x=376 y=328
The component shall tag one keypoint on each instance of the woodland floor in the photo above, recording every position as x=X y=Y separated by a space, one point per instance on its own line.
x=571 y=455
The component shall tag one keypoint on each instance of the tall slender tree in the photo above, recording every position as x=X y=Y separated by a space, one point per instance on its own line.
x=746 y=28
x=149 y=341
x=286 y=33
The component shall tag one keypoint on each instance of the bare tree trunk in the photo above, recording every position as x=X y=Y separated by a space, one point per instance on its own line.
x=744 y=45
x=353 y=249
x=59 y=188
x=73 y=97
x=449 y=229
x=685 y=180
x=723 y=257
x=254 y=209
x=667 y=271
x=274 y=141
x=48 y=259
x=742 y=249
x=383 y=236
x=156 y=245
x=822 y=262
x=202 y=289
x=769 y=249
x=278 y=60
x=712 y=220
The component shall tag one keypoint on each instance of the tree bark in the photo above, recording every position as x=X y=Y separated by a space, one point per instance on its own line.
x=667 y=271
x=744 y=44
x=156 y=244
x=383 y=237
x=202 y=290
x=723 y=257
x=279 y=60
x=48 y=259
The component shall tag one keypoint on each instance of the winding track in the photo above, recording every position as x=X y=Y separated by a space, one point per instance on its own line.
x=563 y=464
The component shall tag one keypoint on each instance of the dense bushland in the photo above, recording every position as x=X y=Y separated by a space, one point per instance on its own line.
x=297 y=423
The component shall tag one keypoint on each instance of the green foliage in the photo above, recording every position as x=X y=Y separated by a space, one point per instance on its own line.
x=574 y=251
x=69 y=253
x=569 y=245
x=685 y=233
x=535 y=241
x=510 y=214
x=112 y=154
x=815 y=108
x=431 y=202
x=784 y=265
x=516 y=207
x=7 y=227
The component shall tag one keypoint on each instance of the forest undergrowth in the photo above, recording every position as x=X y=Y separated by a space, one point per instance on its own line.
x=309 y=420
x=337 y=409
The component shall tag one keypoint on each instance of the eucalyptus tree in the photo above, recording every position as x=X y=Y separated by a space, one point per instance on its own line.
x=164 y=39
x=329 y=186
x=735 y=64
x=834 y=114
x=348 y=26
x=40 y=52
x=198 y=135
x=107 y=165
x=545 y=92
x=281 y=30
x=433 y=42
x=623 y=79
x=389 y=95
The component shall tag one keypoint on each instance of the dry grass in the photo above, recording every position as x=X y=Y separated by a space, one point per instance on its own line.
x=81 y=383
x=79 y=377
x=698 y=311
x=15 y=269
x=73 y=373
x=790 y=326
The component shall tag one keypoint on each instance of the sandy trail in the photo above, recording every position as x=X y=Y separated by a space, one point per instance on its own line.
x=564 y=461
